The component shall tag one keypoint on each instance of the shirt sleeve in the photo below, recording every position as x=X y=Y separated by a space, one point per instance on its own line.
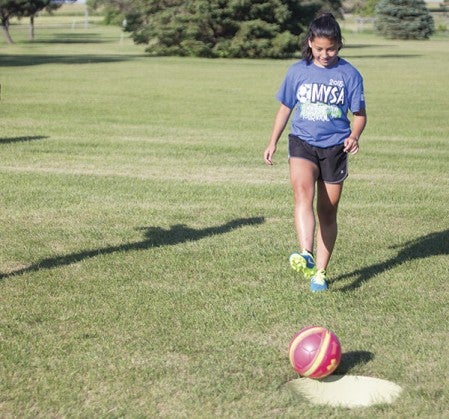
x=357 y=97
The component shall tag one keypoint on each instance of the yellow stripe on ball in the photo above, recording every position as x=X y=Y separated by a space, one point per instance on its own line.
x=320 y=356
x=298 y=339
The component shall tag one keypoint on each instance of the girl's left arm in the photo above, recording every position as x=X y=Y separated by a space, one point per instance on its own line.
x=358 y=125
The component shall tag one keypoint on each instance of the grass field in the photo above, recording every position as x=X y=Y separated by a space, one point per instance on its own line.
x=144 y=243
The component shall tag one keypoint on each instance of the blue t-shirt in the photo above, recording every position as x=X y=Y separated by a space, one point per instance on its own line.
x=321 y=98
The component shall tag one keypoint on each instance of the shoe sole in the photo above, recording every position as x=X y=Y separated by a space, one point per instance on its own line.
x=299 y=264
x=318 y=290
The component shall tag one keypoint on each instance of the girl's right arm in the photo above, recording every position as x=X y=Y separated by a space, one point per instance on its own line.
x=280 y=121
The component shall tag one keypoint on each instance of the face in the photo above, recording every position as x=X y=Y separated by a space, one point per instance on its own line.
x=324 y=51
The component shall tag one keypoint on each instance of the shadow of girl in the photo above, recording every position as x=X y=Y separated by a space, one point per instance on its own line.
x=433 y=244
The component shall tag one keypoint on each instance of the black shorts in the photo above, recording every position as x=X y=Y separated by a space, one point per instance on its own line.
x=332 y=162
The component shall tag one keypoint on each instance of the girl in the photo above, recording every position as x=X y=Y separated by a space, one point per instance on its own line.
x=319 y=90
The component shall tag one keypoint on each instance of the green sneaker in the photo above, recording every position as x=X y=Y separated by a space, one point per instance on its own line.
x=318 y=281
x=303 y=263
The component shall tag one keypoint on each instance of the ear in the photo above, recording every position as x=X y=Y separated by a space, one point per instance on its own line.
x=309 y=42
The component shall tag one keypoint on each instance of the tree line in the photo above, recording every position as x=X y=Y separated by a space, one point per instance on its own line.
x=230 y=28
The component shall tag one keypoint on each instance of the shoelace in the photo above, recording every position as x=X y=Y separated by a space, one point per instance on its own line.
x=320 y=277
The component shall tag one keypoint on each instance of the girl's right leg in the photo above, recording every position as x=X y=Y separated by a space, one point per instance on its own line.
x=303 y=176
x=327 y=205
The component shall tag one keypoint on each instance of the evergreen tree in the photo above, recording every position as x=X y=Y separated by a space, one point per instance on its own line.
x=404 y=19
x=218 y=28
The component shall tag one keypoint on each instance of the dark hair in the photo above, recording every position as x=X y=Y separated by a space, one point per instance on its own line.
x=324 y=26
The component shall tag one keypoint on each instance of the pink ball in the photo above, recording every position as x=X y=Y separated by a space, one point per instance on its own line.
x=315 y=352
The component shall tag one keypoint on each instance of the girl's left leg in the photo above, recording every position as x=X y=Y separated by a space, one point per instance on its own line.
x=328 y=197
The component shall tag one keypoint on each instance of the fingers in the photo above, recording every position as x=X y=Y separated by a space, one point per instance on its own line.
x=268 y=160
x=351 y=145
x=268 y=156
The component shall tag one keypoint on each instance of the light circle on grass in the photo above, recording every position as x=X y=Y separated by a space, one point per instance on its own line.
x=351 y=391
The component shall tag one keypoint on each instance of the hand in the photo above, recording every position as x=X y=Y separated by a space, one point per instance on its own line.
x=351 y=145
x=268 y=155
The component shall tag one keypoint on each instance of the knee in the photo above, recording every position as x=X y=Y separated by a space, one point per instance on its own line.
x=328 y=216
x=303 y=194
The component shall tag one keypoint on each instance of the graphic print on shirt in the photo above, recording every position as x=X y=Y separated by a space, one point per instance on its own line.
x=321 y=102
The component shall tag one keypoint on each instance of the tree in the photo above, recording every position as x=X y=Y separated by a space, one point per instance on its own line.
x=362 y=7
x=217 y=28
x=30 y=8
x=115 y=10
x=8 y=9
x=404 y=19
x=22 y=8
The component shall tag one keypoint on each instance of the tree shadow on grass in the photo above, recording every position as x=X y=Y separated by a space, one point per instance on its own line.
x=10 y=140
x=73 y=38
x=154 y=237
x=432 y=244
x=16 y=60
x=359 y=46
x=386 y=56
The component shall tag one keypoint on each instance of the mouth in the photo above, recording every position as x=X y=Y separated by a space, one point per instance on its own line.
x=326 y=61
